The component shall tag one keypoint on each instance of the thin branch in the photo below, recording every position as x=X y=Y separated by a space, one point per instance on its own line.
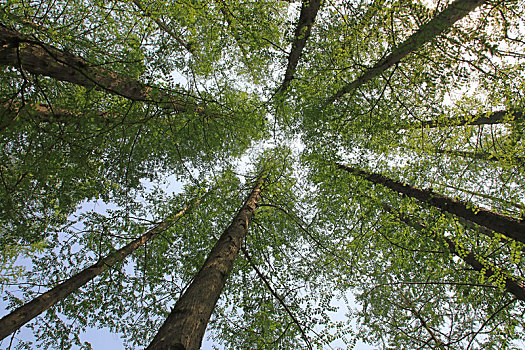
x=190 y=47
x=274 y=293
x=490 y=318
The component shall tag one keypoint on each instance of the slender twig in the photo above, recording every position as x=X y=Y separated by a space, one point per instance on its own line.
x=274 y=293
x=490 y=318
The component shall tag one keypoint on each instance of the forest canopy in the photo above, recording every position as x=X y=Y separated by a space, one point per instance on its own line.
x=247 y=171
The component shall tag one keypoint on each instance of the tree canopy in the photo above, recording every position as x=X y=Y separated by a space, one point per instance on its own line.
x=269 y=163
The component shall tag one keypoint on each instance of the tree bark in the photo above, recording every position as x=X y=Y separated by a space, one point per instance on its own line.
x=309 y=10
x=506 y=225
x=25 y=53
x=497 y=117
x=428 y=31
x=512 y=285
x=16 y=319
x=185 y=326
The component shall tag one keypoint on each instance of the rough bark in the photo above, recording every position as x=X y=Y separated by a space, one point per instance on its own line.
x=27 y=54
x=497 y=117
x=428 y=31
x=16 y=319
x=506 y=225
x=512 y=285
x=309 y=10
x=184 y=328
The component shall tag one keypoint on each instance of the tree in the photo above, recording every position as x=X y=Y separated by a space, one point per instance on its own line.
x=136 y=108
x=444 y=20
x=303 y=30
x=19 y=317
x=511 y=227
x=512 y=285
x=185 y=326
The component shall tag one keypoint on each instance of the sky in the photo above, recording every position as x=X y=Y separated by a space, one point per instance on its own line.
x=103 y=338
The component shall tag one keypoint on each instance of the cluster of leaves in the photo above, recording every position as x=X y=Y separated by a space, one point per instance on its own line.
x=319 y=234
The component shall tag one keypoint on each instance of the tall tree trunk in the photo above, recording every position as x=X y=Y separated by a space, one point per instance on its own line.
x=497 y=117
x=184 y=328
x=25 y=53
x=512 y=285
x=303 y=30
x=428 y=31
x=35 y=307
x=506 y=225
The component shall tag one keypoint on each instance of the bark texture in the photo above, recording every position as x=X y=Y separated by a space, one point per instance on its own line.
x=512 y=285
x=428 y=31
x=309 y=10
x=506 y=225
x=185 y=326
x=16 y=319
x=497 y=117
x=27 y=54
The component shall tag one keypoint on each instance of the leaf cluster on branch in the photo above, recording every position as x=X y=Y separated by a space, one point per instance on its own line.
x=243 y=173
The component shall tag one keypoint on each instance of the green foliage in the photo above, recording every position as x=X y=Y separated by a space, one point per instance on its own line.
x=321 y=237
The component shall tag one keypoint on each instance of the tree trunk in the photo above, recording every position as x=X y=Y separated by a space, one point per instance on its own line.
x=309 y=11
x=506 y=225
x=512 y=285
x=184 y=328
x=16 y=319
x=27 y=54
x=428 y=31
x=485 y=119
